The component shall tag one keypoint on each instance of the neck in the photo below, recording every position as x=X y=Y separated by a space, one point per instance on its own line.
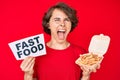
x=59 y=46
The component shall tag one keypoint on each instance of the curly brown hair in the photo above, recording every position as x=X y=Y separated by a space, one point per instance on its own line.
x=70 y=12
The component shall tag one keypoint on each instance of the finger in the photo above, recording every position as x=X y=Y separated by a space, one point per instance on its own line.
x=95 y=67
x=26 y=62
x=30 y=65
x=85 y=68
x=93 y=70
x=98 y=66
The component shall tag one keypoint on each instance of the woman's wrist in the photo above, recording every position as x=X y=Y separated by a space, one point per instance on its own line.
x=29 y=72
x=85 y=73
x=28 y=76
x=85 y=76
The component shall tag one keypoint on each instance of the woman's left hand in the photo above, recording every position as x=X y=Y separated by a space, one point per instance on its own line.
x=89 y=69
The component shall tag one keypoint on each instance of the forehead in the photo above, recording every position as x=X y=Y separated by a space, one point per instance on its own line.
x=59 y=13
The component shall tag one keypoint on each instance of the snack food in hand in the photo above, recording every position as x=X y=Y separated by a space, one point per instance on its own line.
x=88 y=59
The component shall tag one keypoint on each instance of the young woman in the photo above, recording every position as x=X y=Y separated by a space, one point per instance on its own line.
x=59 y=62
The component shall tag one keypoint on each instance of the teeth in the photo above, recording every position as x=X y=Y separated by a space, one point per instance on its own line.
x=62 y=30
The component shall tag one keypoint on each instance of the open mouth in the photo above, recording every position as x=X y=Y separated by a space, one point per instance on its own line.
x=61 y=34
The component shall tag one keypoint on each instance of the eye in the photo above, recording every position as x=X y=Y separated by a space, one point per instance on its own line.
x=56 y=19
x=67 y=19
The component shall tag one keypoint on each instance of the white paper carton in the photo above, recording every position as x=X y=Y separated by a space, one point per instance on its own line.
x=99 y=44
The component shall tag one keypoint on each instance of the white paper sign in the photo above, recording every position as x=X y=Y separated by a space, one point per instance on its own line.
x=30 y=46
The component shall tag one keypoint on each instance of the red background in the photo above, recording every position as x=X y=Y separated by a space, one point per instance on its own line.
x=22 y=18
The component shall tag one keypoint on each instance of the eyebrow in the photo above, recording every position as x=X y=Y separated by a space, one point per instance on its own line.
x=56 y=18
x=59 y=18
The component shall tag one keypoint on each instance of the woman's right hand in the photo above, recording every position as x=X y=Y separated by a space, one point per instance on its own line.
x=27 y=65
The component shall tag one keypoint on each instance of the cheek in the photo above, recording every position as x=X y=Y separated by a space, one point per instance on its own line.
x=52 y=25
x=52 y=28
x=69 y=27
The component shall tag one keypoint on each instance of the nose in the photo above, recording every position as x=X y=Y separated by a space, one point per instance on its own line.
x=62 y=24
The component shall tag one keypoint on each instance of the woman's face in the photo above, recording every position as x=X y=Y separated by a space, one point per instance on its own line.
x=59 y=25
